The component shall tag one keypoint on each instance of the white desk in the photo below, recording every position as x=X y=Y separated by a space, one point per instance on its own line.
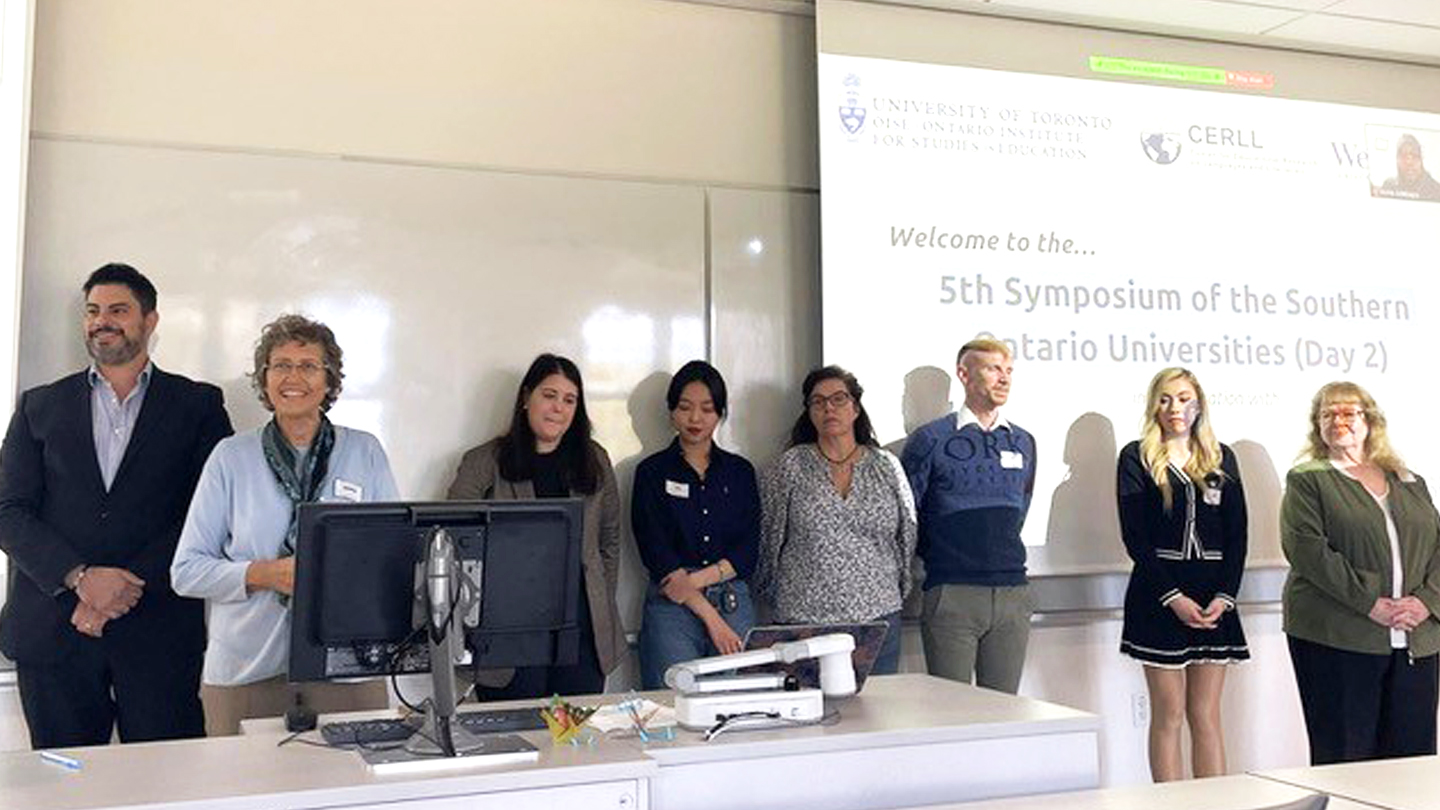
x=906 y=740
x=1221 y=793
x=1412 y=783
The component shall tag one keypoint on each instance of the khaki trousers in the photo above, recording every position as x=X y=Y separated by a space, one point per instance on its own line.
x=977 y=633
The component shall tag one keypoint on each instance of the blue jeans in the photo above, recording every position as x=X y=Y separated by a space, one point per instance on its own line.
x=670 y=633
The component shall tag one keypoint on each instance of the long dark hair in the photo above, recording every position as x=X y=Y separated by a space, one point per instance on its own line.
x=576 y=453
x=804 y=431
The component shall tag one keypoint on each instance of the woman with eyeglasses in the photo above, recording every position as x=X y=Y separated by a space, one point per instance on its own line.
x=237 y=548
x=1183 y=520
x=1363 y=541
x=695 y=512
x=547 y=452
x=838 y=526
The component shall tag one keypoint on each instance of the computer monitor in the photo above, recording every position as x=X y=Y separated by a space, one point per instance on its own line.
x=359 y=608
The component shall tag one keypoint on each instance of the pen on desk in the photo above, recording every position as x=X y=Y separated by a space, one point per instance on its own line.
x=68 y=763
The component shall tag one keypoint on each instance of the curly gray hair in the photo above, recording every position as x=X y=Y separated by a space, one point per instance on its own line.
x=298 y=329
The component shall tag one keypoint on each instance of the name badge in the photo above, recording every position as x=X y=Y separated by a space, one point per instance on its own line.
x=348 y=491
x=1011 y=460
x=677 y=489
x=1212 y=497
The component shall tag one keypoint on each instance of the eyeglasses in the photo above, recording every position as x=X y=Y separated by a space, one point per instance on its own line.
x=837 y=400
x=1342 y=415
x=285 y=368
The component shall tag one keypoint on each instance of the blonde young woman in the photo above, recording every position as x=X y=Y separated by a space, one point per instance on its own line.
x=1182 y=516
x=1363 y=541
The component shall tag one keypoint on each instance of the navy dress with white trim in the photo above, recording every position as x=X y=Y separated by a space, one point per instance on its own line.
x=1195 y=548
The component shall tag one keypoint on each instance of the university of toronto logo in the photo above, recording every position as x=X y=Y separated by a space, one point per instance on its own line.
x=852 y=112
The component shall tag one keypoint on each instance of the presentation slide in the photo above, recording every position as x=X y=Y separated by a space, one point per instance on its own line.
x=1106 y=229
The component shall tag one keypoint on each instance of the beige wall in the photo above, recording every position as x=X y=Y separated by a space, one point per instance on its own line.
x=630 y=88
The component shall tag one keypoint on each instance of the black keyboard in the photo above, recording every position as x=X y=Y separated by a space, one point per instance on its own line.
x=392 y=730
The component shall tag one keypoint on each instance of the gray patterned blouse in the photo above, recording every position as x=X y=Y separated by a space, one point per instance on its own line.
x=827 y=559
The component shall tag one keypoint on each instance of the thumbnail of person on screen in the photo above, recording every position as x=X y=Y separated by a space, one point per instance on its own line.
x=237 y=550
x=547 y=452
x=695 y=511
x=95 y=474
x=1411 y=181
x=972 y=473
x=1183 y=520
x=838 y=520
x=1363 y=540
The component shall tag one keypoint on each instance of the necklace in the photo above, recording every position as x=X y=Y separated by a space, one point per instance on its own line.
x=838 y=462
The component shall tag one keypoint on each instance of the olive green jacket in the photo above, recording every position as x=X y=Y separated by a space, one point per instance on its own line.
x=1333 y=533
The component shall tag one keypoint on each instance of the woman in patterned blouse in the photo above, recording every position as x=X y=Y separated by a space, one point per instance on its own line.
x=838 y=525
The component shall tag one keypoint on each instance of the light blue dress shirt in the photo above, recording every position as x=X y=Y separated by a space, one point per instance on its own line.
x=112 y=421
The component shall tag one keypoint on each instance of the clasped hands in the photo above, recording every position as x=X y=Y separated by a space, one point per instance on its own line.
x=1405 y=613
x=1190 y=614
x=104 y=593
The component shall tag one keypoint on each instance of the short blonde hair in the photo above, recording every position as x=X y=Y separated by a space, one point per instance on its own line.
x=983 y=345
x=1377 y=440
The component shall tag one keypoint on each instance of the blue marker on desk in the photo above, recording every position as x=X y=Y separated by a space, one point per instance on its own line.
x=68 y=763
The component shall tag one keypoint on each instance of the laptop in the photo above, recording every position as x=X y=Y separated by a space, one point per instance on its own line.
x=869 y=637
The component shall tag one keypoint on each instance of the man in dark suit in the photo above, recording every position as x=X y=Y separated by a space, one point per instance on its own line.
x=96 y=474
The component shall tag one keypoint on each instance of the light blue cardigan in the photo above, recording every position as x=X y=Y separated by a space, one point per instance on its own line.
x=239 y=514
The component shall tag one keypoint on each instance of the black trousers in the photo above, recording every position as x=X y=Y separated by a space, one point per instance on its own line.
x=1360 y=706
x=83 y=698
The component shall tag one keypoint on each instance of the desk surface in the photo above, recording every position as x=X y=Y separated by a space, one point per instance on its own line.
x=249 y=771
x=905 y=709
x=1412 y=783
x=1238 y=792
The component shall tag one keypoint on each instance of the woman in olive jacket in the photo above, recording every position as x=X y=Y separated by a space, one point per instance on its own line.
x=1363 y=540
x=548 y=453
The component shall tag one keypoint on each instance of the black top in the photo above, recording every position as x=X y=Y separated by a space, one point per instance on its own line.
x=549 y=480
x=683 y=521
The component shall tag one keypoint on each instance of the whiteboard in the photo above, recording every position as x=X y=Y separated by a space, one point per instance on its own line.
x=441 y=284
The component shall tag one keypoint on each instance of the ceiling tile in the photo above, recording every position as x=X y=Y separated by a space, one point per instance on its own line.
x=1358 y=33
x=1296 y=5
x=1418 y=12
x=1197 y=15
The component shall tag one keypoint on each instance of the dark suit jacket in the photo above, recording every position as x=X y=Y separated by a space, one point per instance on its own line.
x=55 y=514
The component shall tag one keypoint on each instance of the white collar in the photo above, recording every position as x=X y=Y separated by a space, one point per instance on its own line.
x=965 y=416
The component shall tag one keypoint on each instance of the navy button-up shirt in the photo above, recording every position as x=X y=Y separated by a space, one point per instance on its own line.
x=683 y=521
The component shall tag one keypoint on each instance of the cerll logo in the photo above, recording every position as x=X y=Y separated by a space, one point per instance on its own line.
x=852 y=112
x=1162 y=148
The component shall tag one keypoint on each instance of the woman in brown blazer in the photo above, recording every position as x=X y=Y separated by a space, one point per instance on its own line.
x=548 y=453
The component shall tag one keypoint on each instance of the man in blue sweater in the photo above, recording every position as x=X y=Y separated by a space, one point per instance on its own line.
x=973 y=474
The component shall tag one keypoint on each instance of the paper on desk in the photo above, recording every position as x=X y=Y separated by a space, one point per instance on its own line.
x=615 y=717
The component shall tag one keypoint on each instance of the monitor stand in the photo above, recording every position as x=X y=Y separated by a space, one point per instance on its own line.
x=447 y=593
x=490 y=750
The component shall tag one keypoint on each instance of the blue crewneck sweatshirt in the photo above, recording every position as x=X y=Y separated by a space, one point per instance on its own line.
x=972 y=489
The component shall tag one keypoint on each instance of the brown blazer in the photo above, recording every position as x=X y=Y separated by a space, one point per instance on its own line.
x=479 y=479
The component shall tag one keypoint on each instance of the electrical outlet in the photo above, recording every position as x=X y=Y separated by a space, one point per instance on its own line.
x=1140 y=709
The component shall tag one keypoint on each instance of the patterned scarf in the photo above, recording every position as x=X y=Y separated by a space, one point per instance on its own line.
x=281 y=458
